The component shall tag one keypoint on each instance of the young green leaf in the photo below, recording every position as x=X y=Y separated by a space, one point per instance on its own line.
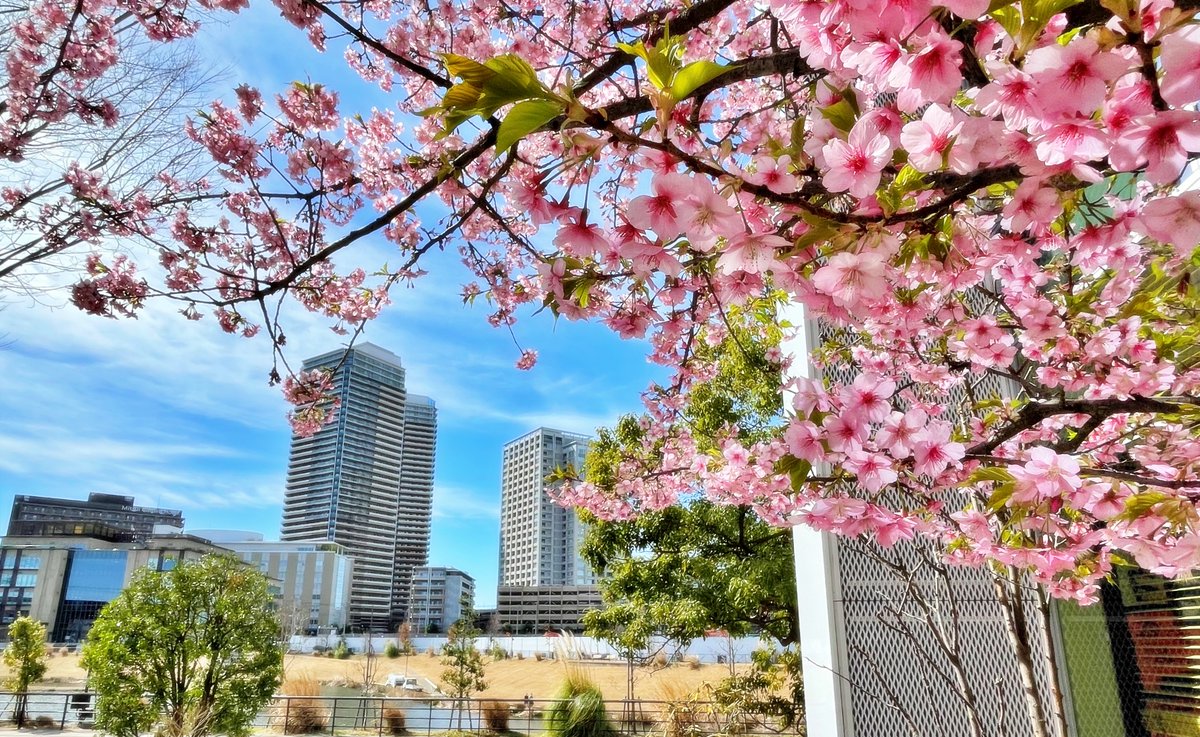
x=468 y=70
x=692 y=76
x=525 y=118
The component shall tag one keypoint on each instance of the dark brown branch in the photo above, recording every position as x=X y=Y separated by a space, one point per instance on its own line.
x=1034 y=413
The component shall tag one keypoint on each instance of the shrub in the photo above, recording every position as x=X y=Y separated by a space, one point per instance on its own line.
x=393 y=720
x=578 y=710
x=495 y=716
x=341 y=651
x=303 y=715
x=520 y=656
x=660 y=659
x=539 y=657
x=391 y=650
x=64 y=650
x=45 y=722
x=693 y=662
x=497 y=652
x=431 y=652
x=318 y=653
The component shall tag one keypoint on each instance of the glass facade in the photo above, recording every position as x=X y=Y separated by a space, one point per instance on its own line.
x=18 y=577
x=93 y=578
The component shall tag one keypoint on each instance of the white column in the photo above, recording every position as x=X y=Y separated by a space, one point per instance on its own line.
x=821 y=643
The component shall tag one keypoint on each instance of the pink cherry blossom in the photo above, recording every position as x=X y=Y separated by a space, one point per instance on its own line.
x=1174 y=220
x=872 y=470
x=1180 y=59
x=1160 y=142
x=850 y=278
x=934 y=451
x=929 y=139
x=658 y=212
x=773 y=174
x=1073 y=78
x=855 y=165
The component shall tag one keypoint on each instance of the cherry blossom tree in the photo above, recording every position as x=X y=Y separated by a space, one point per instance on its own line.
x=959 y=191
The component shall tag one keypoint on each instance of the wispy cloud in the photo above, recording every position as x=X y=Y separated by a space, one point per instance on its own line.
x=460 y=503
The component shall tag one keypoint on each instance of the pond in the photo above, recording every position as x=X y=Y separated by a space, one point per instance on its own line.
x=347 y=708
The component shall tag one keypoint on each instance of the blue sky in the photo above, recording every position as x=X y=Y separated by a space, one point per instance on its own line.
x=180 y=415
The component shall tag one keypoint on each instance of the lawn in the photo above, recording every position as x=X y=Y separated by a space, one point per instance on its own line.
x=507 y=679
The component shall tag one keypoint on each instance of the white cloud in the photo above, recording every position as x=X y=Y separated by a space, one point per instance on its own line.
x=459 y=503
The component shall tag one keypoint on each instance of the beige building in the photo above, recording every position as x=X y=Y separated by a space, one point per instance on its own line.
x=312 y=578
x=64 y=580
x=544 y=582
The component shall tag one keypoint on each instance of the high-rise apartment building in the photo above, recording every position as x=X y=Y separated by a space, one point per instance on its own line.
x=415 y=505
x=544 y=582
x=539 y=540
x=365 y=480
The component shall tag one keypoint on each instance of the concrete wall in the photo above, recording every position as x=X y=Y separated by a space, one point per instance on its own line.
x=709 y=649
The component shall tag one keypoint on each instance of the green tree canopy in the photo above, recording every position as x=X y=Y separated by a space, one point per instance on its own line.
x=698 y=566
x=25 y=658
x=692 y=569
x=192 y=651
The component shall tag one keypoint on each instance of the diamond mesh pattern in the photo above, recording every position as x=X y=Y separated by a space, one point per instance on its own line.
x=902 y=631
x=906 y=618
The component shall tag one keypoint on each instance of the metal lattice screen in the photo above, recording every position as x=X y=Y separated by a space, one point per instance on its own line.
x=925 y=641
x=927 y=644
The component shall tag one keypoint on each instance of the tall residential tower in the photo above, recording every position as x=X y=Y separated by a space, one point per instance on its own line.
x=544 y=583
x=365 y=480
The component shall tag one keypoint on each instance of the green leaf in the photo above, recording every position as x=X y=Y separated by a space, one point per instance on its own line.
x=659 y=67
x=1009 y=19
x=525 y=118
x=841 y=114
x=990 y=473
x=909 y=179
x=513 y=77
x=464 y=95
x=799 y=473
x=1138 y=505
x=468 y=70
x=1000 y=496
x=692 y=76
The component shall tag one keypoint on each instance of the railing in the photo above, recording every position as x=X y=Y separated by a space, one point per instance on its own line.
x=388 y=715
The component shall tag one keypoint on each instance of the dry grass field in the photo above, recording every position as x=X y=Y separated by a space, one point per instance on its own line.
x=506 y=679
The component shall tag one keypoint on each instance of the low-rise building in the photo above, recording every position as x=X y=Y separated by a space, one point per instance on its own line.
x=313 y=578
x=534 y=609
x=64 y=580
x=30 y=513
x=440 y=597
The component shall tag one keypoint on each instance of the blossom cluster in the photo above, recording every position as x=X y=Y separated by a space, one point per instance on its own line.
x=979 y=205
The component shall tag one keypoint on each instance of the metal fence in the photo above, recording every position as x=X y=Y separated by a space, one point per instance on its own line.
x=386 y=715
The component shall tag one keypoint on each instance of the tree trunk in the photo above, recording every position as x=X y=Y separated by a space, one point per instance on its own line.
x=1056 y=692
x=19 y=706
x=1018 y=636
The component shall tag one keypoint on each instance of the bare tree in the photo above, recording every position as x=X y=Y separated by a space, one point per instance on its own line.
x=47 y=223
x=370 y=664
